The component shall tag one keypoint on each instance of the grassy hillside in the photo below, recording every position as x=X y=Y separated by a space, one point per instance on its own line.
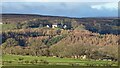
x=8 y=26
x=101 y=25
x=26 y=40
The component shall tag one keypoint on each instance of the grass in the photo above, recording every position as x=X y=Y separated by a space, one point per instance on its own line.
x=7 y=26
x=49 y=59
x=54 y=61
x=54 y=66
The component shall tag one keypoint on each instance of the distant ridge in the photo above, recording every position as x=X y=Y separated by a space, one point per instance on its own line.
x=38 y=15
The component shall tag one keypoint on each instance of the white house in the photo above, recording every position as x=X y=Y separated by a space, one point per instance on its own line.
x=48 y=26
x=54 y=26
x=65 y=26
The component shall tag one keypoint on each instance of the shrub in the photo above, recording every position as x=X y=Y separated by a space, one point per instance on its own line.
x=26 y=61
x=20 y=59
x=44 y=62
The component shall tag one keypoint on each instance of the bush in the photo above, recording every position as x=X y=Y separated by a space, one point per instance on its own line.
x=26 y=61
x=44 y=62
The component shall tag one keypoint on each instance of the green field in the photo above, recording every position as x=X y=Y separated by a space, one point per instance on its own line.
x=47 y=62
x=57 y=66
x=7 y=26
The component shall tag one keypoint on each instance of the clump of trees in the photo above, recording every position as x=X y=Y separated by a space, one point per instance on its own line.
x=10 y=42
x=94 y=46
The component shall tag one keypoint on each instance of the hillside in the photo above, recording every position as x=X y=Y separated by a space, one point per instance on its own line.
x=63 y=37
x=102 y=25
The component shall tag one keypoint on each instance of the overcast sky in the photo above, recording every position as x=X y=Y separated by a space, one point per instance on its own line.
x=70 y=9
x=60 y=0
